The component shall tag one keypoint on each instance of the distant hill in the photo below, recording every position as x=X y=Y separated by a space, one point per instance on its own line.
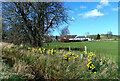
x=103 y=36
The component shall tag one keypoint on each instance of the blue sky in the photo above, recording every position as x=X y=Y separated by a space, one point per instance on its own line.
x=93 y=17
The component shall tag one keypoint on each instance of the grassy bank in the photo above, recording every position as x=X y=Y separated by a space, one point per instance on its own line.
x=8 y=73
x=54 y=66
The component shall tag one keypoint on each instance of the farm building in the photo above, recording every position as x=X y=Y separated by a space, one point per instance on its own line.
x=67 y=37
x=71 y=38
x=82 y=38
x=76 y=38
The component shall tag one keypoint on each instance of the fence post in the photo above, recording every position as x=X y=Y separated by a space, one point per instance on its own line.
x=81 y=56
x=85 y=49
x=69 y=48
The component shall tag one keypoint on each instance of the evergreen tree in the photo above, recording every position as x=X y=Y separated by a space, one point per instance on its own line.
x=98 y=36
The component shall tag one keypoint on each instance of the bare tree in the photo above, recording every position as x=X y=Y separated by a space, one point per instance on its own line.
x=109 y=34
x=65 y=31
x=87 y=33
x=33 y=19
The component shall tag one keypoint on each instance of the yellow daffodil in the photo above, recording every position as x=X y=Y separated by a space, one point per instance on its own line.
x=74 y=57
x=88 y=60
x=33 y=50
x=29 y=48
x=90 y=66
x=39 y=49
x=100 y=62
x=65 y=57
x=54 y=50
x=44 y=50
x=72 y=53
x=49 y=50
x=77 y=55
x=93 y=67
x=41 y=52
x=94 y=72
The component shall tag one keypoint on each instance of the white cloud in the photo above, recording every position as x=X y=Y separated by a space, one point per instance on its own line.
x=104 y=2
x=99 y=6
x=93 y=13
x=73 y=19
x=115 y=9
x=83 y=7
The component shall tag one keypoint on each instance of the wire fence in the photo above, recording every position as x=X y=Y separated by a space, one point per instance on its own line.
x=101 y=49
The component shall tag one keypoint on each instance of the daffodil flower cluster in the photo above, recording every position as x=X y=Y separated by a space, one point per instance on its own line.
x=93 y=63
x=67 y=56
x=91 y=66
x=37 y=50
x=75 y=57
x=51 y=52
x=102 y=61
x=70 y=55
x=42 y=51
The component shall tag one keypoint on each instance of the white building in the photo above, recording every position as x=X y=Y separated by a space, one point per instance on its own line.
x=82 y=38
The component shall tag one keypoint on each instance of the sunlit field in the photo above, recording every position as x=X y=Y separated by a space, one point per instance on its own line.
x=100 y=48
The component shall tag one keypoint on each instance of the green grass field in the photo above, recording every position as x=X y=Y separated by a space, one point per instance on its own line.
x=100 y=48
